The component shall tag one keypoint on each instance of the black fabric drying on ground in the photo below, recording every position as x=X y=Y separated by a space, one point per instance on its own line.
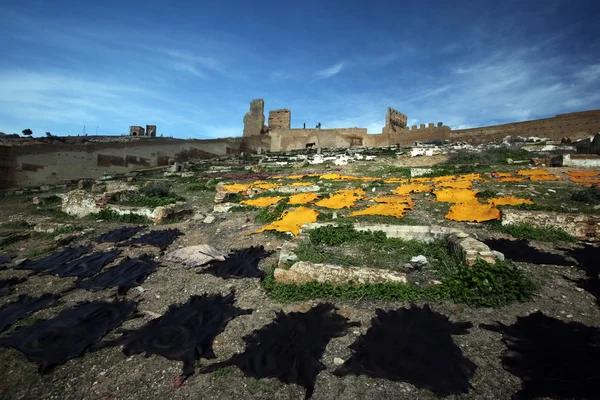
x=290 y=348
x=160 y=239
x=128 y=273
x=184 y=333
x=84 y=267
x=553 y=358
x=25 y=305
x=118 y=235
x=239 y=264
x=520 y=250
x=5 y=260
x=6 y=285
x=588 y=258
x=52 y=342
x=51 y=261
x=415 y=346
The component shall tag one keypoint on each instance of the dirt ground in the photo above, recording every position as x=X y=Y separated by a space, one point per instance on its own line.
x=109 y=374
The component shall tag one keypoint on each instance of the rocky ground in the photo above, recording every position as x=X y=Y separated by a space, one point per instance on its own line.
x=109 y=374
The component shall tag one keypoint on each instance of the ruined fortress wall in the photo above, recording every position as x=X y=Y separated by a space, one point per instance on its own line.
x=254 y=120
x=280 y=119
x=35 y=164
x=573 y=125
x=294 y=139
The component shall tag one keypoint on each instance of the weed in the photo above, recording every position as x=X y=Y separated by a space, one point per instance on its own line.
x=222 y=372
x=537 y=207
x=590 y=195
x=530 y=232
x=486 y=194
x=14 y=238
x=52 y=200
x=34 y=253
x=235 y=198
x=325 y=217
x=266 y=215
x=489 y=285
x=242 y=208
x=381 y=219
x=332 y=235
x=202 y=185
x=157 y=189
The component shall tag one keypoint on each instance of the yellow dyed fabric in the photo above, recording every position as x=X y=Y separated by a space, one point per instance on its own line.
x=295 y=177
x=544 y=178
x=264 y=185
x=262 y=201
x=395 y=199
x=455 y=184
x=292 y=220
x=503 y=174
x=301 y=184
x=413 y=188
x=473 y=212
x=531 y=172
x=470 y=177
x=337 y=177
x=583 y=174
x=396 y=180
x=423 y=180
x=236 y=187
x=512 y=179
x=508 y=201
x=456 y=195
x=342 y=198
x=391 y=209
x=303 y=198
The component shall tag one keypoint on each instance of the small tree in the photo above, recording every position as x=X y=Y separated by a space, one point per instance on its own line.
x=27 y=132
x=48 y=134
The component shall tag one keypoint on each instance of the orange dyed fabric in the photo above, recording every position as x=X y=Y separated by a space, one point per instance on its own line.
x=456 y=195
x=473 y=212
x=390 y=209
x=508 y=201
x=512 y=179
x=413 y=188
x=582 y=174
x=342 y=199
x=292 y=220
x=396 y=180
x=544 y=178
x=585 y=180
x=303 y=198
x=531 y=172
x=503 y=174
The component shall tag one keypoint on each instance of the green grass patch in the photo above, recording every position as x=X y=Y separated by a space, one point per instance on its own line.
x=488 y=157
x=16 y=225
x=530 y=232
x=222 y=372
x=590 y=195
x=490 y=285
x=486 y=194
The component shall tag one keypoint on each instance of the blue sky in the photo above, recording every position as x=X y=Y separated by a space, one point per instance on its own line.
x=192 y=67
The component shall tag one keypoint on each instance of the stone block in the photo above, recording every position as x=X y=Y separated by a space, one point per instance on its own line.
x=304 y=272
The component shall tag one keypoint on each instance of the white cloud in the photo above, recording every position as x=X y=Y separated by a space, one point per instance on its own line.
x=331 y=71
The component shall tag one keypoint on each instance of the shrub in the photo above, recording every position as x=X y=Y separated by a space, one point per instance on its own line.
x=489 y=285
x=590 y=195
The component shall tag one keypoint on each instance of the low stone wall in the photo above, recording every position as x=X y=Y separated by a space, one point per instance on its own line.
x=584 y=227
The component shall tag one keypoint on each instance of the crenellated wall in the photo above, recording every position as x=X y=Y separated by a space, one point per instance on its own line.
x=574 y=125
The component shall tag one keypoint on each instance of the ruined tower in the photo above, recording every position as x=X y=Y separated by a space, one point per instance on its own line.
x=281 y=118
x=254 y=120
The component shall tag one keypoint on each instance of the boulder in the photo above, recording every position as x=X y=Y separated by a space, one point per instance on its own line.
x=195 y=256
x=80 y=203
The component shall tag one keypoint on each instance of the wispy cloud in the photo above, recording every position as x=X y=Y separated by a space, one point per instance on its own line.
x=331 y=71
